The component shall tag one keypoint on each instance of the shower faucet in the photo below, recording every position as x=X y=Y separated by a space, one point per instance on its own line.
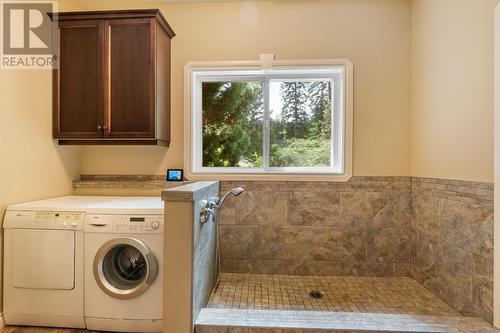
x=211 y=208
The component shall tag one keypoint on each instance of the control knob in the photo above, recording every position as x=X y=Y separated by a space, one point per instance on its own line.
x=155 y=224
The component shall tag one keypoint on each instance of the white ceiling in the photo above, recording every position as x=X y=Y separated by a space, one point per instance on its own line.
x=182 y=1
x=152 y=3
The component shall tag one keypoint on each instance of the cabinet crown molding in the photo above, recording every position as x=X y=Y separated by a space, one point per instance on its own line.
x=115 y=14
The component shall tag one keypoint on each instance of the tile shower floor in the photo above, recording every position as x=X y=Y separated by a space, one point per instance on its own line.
x=258 y=303
x=392 y=295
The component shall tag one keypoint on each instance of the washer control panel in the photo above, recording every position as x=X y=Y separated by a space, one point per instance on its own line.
x=124 y=223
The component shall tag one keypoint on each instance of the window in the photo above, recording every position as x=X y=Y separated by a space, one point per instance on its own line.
x=280 y=121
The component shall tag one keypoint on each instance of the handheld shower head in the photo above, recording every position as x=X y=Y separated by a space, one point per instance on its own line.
x=235 y=191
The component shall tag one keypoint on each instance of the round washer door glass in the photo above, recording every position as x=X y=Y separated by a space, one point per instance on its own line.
x=124 y=268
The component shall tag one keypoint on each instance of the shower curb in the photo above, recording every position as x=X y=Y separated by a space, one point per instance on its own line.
x=271 y=321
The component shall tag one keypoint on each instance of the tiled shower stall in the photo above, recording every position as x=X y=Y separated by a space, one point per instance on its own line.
x=437 y=232
x=412 y=253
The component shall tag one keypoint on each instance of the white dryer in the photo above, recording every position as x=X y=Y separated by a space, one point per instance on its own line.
x=124 y=266
x=43 y=261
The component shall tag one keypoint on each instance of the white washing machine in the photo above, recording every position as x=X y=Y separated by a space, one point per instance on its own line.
x=43 y=261
x=124 y=266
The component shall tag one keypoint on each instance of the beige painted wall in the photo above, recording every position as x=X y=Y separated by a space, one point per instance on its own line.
x=374 y=35
x=32 y=166
x=452 y=89
x=452 y=86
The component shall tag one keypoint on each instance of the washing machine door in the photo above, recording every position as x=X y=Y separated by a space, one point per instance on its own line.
x=125 y=267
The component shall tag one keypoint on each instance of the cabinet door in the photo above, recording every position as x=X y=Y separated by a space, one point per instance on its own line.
x=78 y=81
x=130 y=67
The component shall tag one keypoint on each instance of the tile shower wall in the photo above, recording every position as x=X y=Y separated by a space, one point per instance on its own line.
x=452 y=242
x=358 y=228
x=204 y=269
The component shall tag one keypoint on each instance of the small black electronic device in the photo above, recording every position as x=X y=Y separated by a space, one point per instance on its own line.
x=175 y=175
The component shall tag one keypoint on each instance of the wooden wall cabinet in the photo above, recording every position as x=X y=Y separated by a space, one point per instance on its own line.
x=112 y=80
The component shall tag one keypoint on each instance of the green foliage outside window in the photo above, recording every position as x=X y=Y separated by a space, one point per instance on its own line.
x=233 y=121
x=232 y=124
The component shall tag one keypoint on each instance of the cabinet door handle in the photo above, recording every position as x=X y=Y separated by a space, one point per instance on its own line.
x=99 y=127
x=105 y=127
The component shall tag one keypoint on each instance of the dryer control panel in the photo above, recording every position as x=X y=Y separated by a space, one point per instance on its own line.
x=128 y=224
x=44 y=220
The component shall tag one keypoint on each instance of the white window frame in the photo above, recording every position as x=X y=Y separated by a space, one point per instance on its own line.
x=339 y=71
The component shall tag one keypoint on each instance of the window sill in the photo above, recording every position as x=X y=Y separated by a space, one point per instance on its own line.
x=270 y=177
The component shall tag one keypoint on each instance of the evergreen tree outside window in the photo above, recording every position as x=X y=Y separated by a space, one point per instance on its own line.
x=301 y=123
x=232 y=124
